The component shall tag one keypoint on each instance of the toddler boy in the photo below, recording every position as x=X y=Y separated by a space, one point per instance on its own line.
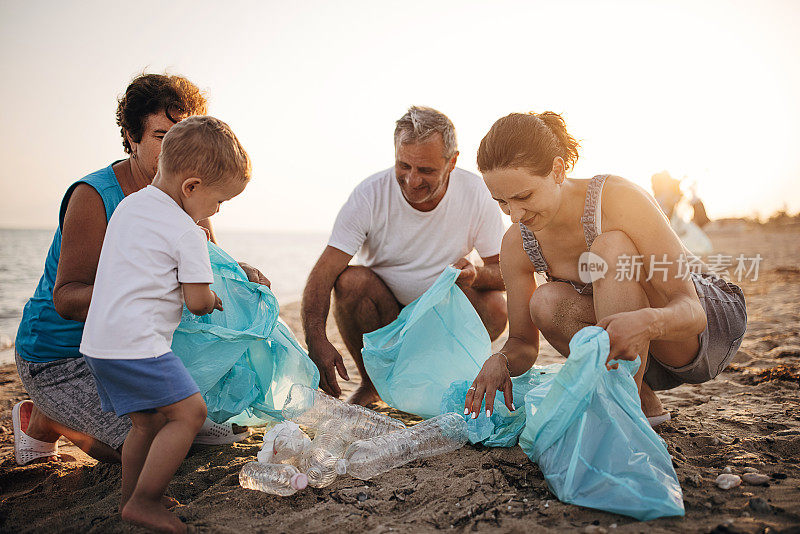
x=155 y=258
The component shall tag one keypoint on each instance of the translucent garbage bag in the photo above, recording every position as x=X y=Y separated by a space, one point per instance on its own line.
x=503 y=428
x=244 y=359
x=586 y=431
x=437 y=339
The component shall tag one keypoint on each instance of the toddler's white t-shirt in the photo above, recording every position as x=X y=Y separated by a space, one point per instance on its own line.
x=409 y=248
x=151 y=247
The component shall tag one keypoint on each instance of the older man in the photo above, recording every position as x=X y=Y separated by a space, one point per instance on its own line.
x=407 y=223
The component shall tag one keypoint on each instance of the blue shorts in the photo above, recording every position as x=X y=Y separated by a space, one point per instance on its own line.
x=141 y=385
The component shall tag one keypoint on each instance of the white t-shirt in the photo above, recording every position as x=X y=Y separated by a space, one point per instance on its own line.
x=151 y=247
x=409 y=248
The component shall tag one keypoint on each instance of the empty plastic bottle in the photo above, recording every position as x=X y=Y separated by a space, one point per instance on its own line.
x=320 y=457
x=278 y=479
x=311 y=407
x=370 y=457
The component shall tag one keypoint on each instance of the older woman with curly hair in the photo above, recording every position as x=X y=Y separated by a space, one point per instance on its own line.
x=64 y=397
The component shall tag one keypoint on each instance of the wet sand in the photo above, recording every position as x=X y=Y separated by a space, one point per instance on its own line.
x=748 y=417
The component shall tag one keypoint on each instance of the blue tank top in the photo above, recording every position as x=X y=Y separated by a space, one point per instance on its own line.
x=43 y=335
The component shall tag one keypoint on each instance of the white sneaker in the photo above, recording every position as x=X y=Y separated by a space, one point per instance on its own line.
x=212 y=433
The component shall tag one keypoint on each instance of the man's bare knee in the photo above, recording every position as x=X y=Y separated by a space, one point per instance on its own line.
x=359 y=290
x=354 y=283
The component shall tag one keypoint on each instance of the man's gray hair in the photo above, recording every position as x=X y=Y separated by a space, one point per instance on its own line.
x=420 y=123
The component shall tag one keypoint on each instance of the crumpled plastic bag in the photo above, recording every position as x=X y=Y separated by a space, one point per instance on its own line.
x=436 y=340
x=243 y=359
x=586 y=431
x=293 y=435
x=503 y=428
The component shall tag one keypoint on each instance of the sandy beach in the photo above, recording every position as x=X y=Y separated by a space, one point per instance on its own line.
x=748 y=417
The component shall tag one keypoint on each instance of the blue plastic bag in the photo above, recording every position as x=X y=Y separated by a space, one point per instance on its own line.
x=586 y=431
x=437 y=339
x=503 y=428
x=244 y=359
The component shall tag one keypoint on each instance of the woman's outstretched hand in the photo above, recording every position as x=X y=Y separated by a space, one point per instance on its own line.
x=493 y=377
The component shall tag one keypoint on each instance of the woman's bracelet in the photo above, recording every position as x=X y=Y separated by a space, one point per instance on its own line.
x=508 y=367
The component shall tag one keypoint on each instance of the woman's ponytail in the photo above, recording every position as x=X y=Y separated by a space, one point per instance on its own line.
x=567 y=143
x=527 y=140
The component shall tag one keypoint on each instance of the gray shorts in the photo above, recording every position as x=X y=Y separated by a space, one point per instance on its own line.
x=65 y=391
x=726 y=314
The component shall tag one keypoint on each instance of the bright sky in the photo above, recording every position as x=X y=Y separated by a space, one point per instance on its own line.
x=703 y=89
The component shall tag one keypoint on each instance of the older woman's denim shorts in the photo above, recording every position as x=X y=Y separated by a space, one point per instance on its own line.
x=726 y=314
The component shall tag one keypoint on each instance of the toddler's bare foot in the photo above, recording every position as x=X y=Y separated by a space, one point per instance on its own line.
x=364 y=395
x=168 y=502
x=152 y=515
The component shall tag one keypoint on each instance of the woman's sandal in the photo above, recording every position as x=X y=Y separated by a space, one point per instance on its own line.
x=658 y=419
x=26 y=448
x=212 y=433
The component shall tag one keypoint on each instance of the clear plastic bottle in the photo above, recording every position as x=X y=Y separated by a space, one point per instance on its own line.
x=310 y=407
x=370 y=457
x=278 y=479
x=319 y=459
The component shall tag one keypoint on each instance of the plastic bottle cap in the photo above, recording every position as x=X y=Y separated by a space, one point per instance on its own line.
x=299 y=481
x=341 y=466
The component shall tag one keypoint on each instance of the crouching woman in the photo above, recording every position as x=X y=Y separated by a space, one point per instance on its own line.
x=655 y=300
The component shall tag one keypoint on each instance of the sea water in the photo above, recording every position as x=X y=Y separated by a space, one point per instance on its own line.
x=284 y=258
